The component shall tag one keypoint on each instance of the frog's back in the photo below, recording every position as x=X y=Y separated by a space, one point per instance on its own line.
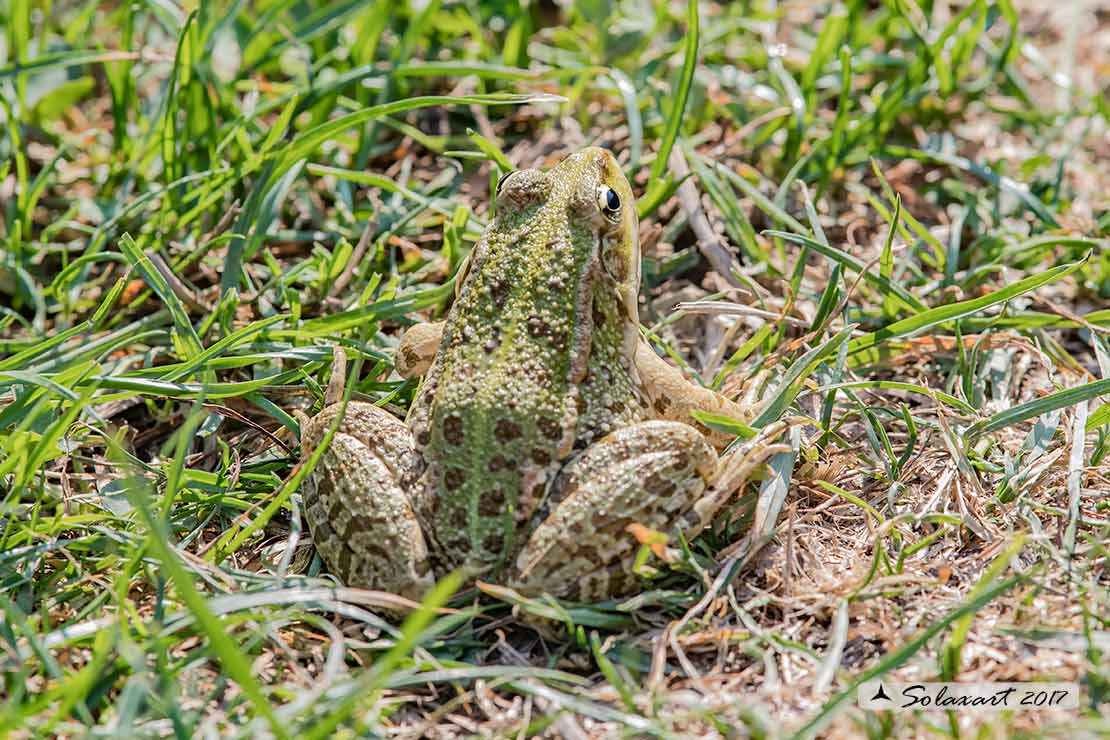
x=529 y=367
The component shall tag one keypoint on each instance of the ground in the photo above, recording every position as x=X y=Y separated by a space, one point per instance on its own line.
x=895 y=230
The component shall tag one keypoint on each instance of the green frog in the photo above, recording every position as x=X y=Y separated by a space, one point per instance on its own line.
x=546 y=429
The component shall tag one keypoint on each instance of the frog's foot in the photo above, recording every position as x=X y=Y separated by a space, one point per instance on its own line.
x=357 y=502
x=738 y=465
x=650 y=474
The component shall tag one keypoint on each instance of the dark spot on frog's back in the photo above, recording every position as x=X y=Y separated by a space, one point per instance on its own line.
x=454 y=478
x=494 y=542
x=499 y=291
x=658 y=485
x=492 y=501
x=541 y=457
x=496 y=463
x=493 y=340
x=506 y=430
x=453 y=429
x=537 y=327
x=550 y=429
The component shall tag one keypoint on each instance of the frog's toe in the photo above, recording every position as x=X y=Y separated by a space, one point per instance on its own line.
x=357 y=503
x=650 y=474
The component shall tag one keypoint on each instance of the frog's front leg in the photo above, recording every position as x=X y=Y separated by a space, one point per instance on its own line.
x=357 y=500
x=652 y=474
x=673 y=396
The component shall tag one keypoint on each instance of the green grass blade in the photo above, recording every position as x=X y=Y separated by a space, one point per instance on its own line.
x=1033 y=409
x=953 y=311
x=908 y=300
x=791 y=383
x=678 y=107
x=184 y=333
x=210 y=626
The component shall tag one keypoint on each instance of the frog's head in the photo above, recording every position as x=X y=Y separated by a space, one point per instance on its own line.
x=586 y=203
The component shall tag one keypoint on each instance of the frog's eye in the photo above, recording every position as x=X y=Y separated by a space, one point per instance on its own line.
x=609 y=202
x=501 y=182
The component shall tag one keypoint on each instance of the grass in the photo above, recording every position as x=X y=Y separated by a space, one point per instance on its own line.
x=897 y=239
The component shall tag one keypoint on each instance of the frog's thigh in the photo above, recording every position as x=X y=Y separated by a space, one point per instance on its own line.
x=650 y=474
x=357 y=500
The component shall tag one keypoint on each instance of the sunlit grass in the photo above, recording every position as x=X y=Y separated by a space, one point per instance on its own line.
x=198 y=206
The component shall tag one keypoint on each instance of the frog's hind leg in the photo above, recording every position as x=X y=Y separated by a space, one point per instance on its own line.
x=357 y=500
x=652 y=474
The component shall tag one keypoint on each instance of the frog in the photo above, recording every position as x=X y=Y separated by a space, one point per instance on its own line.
x=546 y=431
